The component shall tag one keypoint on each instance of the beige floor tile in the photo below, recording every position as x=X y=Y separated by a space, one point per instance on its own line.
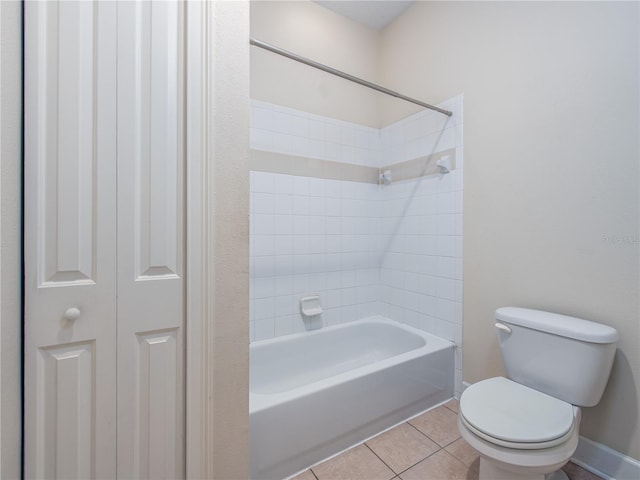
x=463 y=451
x=308 y=475
x=440 y=466
x=402 y=447
x=574 y=472
x=453 y=405
x=358 y=463
x=439 y=424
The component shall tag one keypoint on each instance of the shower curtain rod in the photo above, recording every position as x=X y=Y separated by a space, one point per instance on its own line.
x=344 y=75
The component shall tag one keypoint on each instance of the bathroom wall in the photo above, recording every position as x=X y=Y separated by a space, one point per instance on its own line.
x=551 y=168
x=307 y=29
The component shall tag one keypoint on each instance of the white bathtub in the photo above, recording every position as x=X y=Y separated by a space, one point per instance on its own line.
x=314 y=394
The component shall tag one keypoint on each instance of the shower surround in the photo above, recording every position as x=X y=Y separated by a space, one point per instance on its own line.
x=321 y=223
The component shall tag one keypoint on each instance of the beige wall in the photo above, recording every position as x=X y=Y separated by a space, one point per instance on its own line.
x=10 y=107
x=551 y=168
x=228 y=186
x=314 y=32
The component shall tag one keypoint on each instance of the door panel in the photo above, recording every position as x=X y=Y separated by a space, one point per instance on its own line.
x=66 y=376
x=150 y=240
x=70 y=242
x=104 y=239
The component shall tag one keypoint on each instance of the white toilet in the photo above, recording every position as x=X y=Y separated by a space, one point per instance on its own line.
x=525 y=427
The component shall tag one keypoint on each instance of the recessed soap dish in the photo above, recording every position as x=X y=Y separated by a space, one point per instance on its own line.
x=310 y=306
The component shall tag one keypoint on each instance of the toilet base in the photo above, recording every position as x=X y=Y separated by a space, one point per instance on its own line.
x=490 y=470
x=557 y=475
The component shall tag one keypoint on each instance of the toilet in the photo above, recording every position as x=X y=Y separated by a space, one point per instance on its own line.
x=526 y=426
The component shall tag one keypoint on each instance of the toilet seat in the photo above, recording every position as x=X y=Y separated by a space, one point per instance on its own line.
x=512 y=415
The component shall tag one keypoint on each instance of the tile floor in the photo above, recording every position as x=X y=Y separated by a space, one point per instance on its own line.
x=427 y=447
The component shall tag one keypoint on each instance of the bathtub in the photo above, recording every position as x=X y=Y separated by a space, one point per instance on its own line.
x=314 y=394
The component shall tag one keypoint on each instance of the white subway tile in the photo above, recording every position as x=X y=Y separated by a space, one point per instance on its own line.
x=282 y=265
x=301 y=186
x=349 y=296
x=263 y=245
x=349 y=313
x=301 y=284
x=458 y=246
x=317 y=244
x=262 y=182
x=445 y=288
x=263 y=266
x=282 y=224
x=300 y=205
x=263 y=287
x=446 y=203
x=283 y=285
x=333 y=316
x=284 y=325
x=263 y=203
x=282 y=204
x=262 y=224
x=261 y=139
x=317 y=225
x=458 y=269
x=334 y=298
x=429 y=305
x=263 y=329
x=283 y=305
x=446 y=245
x=261 y=117
x=301 y=225
x=264 y=308
x=300 y=244
x=317 y=187
x=445 y=309
x=446 y=267
x=283 y=184
x=446 y=224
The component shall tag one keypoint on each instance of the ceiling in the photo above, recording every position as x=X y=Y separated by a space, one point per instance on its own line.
x=375 y=14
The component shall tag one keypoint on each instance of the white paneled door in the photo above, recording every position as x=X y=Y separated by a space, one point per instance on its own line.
x=150 y=239
x=104 y=239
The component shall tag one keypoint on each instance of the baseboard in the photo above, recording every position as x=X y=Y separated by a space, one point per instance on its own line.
x=605 y=462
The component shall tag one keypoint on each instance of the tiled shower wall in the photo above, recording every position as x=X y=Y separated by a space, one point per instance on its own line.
x=393 y=250
x=311 y=236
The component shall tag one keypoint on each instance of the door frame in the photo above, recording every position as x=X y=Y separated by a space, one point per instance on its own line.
x=217 y=335
x=217 y=323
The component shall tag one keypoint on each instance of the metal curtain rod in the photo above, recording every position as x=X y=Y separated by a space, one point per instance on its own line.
x=339 y=73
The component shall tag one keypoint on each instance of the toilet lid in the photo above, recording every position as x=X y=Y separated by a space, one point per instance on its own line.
x=508 y=411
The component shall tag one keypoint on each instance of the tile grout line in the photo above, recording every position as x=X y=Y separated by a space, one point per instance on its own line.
x=419 y=461
x=419 y=431
x=385 y=463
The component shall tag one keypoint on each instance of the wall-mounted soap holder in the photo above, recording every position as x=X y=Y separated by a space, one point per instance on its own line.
x=310 y=306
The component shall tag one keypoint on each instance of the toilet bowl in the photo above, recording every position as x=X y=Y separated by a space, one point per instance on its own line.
x=526 y=426
x=519 y=432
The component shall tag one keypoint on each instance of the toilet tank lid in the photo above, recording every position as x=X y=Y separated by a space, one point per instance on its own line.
x=558 y=324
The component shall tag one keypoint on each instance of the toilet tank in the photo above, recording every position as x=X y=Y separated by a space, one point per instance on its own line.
x=565 y=357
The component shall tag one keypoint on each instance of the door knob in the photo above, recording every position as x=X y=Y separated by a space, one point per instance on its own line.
x=71 y=314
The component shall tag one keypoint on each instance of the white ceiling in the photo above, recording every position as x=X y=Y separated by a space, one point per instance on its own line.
x=376 y=14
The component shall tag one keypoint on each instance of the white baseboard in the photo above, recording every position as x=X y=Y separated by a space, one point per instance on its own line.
x=605 y=462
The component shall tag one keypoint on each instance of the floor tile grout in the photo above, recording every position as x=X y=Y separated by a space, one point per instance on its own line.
x=378 y=456
x=439 y=449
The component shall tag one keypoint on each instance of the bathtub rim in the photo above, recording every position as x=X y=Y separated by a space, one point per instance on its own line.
x=262 y=401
